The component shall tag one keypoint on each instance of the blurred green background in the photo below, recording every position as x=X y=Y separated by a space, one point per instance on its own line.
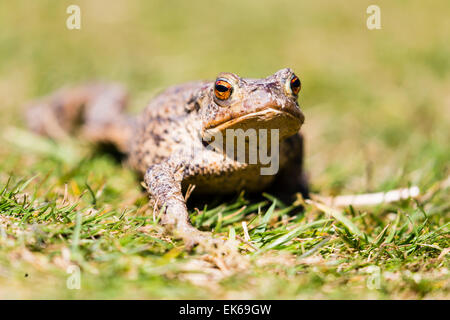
x=377 y=102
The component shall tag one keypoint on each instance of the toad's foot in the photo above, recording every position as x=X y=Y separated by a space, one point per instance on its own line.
x=164 y=187
x=175 y=220
x=192 y=237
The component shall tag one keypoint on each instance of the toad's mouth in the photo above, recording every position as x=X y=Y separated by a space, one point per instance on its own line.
x=287 y=121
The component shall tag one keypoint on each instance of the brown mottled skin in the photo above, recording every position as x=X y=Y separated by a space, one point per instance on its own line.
x=158 y=142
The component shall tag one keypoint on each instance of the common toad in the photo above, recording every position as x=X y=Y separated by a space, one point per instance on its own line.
x=174 y=142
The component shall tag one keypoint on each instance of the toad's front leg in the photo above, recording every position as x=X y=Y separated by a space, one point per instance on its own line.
x=163 y=183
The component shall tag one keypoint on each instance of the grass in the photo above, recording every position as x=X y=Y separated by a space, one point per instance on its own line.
x=377 y=115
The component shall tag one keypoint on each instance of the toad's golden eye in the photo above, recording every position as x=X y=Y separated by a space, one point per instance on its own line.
x=222 y=89
x=295 y=85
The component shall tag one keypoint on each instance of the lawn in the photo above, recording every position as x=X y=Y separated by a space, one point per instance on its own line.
x=377 y=107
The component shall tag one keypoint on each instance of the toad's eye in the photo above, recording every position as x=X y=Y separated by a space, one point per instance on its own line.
x=222 y=89
x=295 y=85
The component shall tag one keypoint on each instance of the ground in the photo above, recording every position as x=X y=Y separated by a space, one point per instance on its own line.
x=377 y=107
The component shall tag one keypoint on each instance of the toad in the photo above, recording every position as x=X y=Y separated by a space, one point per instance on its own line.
x=181 y=138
